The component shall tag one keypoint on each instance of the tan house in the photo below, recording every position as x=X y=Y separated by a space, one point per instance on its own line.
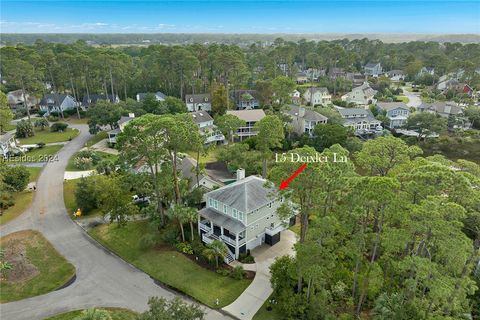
x=250 y=117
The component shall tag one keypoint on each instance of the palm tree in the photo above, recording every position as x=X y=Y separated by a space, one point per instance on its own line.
x=190 y=216
x=178 y=213
x=94 y=314
x=216 y=249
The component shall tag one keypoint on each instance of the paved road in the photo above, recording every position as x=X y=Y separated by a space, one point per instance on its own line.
x=413 y=97
x=102 y=278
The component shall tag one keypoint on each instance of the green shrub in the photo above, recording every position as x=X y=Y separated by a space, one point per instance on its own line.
x=246 y=258
x=184 y=247
x=52 y=118
x=237 y=273
x=223 y=272
x=147 y=241
x=24 y=129
x=197 y=247
x=86 y=194
x=59 y=126
x=86 y=159
x=41 y=123
x=170 y=235
x=16 y=177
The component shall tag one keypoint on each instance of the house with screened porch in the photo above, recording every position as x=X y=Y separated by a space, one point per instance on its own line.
x=243 y=215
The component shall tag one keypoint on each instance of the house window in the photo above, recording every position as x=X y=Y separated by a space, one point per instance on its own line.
x=210 y=202
x=240 y=216
x=234 y=213
x=215 y=204
x=225 y=209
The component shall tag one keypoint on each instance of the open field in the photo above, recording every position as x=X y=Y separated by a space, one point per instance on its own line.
x=168 y=266
x=37 y=268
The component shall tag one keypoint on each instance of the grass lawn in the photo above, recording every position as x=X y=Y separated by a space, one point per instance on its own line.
x=74 y=120
x=22 y=202
x=37 y=267
x=44 y=154
x=211 y=156
x=9 y=127
x=97 y=138
x=264 y=314
x=103 y=155
x=34 y=173
x=169 y=267
x=46 y=136
x=115 y=314
x=402 y=99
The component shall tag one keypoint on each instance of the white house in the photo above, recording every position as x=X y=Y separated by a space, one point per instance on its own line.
x=362 y=95
x=206 y=127
x=8 y=146
x=198 y=102
x=112 y=135
x=242 y=215
x=360 y=120
x=296 y=97
x=396 y=75
x=425 y=71
x=397 y=112
x=159 y=96
x=373 y=69
x=55 y=102
x=316 y=96
x=304 y=120
x=250 y=117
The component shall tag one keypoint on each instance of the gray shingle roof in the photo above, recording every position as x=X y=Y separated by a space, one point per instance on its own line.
x=201 y=116
x=198 y=98
x=52 y=99
x=387 y=106
x=188 y=171
x=318 y=89
x=448 y=107
x=310 y=115
x=158 y=94
x=245 y=195
x=248 y=115
x=371 y=64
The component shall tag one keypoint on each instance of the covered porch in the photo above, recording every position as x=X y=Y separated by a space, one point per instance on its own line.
x=216 y=226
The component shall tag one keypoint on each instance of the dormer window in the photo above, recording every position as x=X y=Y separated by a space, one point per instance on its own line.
x=191 y=99
x=206 y=99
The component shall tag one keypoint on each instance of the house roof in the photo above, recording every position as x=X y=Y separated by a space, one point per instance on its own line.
x=387 y=106
x=248 y=115
x=245 y=195
x=201 y=116
x=124 y=120
x=53 y=99
x=198 y=98
x=367 y=90
x=446 y=107
x=294 y=111
x=317 y=89
x=158 y=94
x=371 y=64
x=225 y=221
x=16 y=97
x=393 y=72
x=188 y=171
x=239 y=94
x=94 y=98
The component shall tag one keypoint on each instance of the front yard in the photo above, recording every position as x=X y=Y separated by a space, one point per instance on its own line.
x=102 y=155
x=168 y=266
x=115 y=314
x=37 y=268
x=46 y=136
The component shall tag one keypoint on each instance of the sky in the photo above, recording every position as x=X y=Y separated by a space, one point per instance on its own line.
x=334 y=16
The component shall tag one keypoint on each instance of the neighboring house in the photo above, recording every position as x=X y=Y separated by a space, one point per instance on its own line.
x=356 y=78
x=205 y=181
x=304 y=120
x=316 y=96
x=296 y=97
x=112 y=134
x=373 y=69
x=468 y=90
x=450 y=84
x=56 y=102
x=246 y=99
x=243 y=215
x=92 y=99
x=362 y=95
x=302 y=78
x=335 y=73
x=250 y=117
x=360 y=120
x=206 y=127
x=315 y=74
x=15 y=100
x=198 y=102
x=158 y=96
x=397 y=112
x=426 y=70
x=442 y=108
x=396 y=75
x=8 y=145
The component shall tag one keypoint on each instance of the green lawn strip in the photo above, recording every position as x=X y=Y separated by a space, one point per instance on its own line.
x=264 y=314
x=46 y=136
x=169 y=267
x=115 y=314
x=97 y=138
x=103 y=155
x=44 y=154
x=211 y=156
x=403 y=99
x=53 y=269
x=34 y=173
x=22 y=202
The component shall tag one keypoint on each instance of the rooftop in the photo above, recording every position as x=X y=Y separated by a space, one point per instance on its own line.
x=248 y=115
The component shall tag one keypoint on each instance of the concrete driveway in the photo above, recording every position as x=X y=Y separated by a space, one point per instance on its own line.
x=413 y=97
x=250 y=301
x=103 y=279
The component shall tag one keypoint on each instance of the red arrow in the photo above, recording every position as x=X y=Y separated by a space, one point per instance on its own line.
x=285 y=183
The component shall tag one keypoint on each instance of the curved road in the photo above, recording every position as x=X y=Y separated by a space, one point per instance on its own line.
x=103 y=280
